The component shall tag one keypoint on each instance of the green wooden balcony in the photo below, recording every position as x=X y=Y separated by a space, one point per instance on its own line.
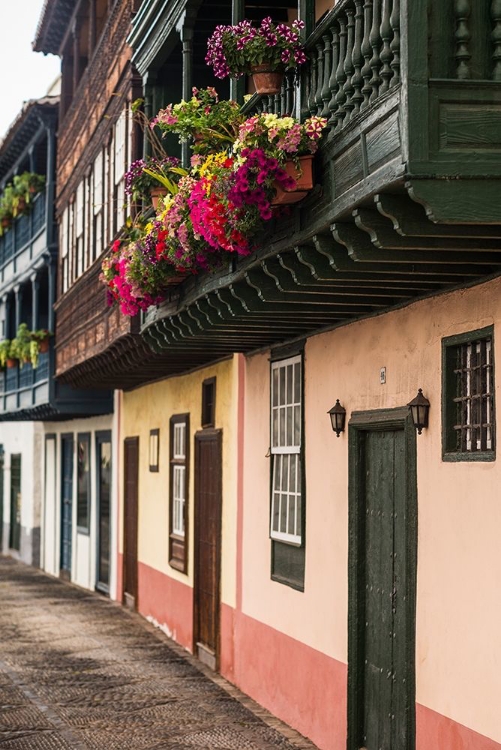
x=407 y=200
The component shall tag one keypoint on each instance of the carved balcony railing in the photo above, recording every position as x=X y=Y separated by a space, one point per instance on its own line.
x=408 y=181
x=24 y=238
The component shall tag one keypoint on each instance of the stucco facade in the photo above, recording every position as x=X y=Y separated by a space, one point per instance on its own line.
x=21 y=509
x=83 y=554
x=165 y=595
x=299 y=671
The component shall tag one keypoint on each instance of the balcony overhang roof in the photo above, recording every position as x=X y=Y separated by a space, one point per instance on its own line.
x=28 y=121
x=52 y=25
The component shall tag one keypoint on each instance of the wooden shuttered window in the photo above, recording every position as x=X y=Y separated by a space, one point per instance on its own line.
x=179 y=483
x=286 y=389
x=287 y=503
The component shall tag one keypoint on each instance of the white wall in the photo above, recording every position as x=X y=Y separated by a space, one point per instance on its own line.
x=25 y=438
x=84 y=545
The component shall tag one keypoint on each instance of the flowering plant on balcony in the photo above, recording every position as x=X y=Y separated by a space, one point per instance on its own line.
x=234 y=50
x=280 y=137
x=145 y=174
x=213 y=124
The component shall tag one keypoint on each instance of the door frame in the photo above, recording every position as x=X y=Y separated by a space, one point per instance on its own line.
x=66 y=437
x=363 y=422
x=102 y=436
x=202 y=436
x=127 y=598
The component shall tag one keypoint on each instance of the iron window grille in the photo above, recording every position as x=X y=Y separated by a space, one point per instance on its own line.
x=469 y=397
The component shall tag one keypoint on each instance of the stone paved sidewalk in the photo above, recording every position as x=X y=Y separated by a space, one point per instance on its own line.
x=78 y=671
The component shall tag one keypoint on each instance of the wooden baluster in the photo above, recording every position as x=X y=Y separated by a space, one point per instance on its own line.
x=332 y=80
x=462 y=9
x=340 y=74
x=357 y=80
x=277 y=104
x=313 y=83
x=348 y=64
x=496 y=38
x=386 y=36
x=282 y=106
x=395 y=44
x=376 y=47
x=367 y=54
x=289 y=93
x=320 y=79
x=326 y=92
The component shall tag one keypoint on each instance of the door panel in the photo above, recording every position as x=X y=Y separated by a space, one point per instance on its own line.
x=131 y=479
x=208 y=470
x=103 y=463
x=15 y=502
x=382 y=586
x=66 y=504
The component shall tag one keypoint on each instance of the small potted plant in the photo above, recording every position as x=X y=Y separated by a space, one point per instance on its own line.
x=291 y=143
x=5 y=359
x=152 y=178
x=265 y=52
x=211 y=123
x=41 y=338
x=20 y=346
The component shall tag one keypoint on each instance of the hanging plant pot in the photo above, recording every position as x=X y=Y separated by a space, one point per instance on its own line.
x=11 y=363
x=266 y=81
x=44 y=346
x=156 y=193
x=304 y=182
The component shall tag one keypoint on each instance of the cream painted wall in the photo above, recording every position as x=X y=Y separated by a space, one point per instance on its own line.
x=459 y=565
x=151 y=407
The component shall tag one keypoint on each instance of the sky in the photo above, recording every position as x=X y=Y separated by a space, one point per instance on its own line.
x=24 y=74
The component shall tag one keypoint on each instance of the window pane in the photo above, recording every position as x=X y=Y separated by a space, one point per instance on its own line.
x=83 y=478
x=297 y=382
x=289 y=384
x=275 y=387
x=281 y=396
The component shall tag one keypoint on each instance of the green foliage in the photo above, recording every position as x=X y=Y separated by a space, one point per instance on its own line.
x=17 y=197
x=4 y=352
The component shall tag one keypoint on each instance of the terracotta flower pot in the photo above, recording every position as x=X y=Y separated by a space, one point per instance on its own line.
x=6 y=223
x=11 y=363
x=266 y=81
x=21 y=205
x=156 y=193
x=304 y=182
x=44 y=346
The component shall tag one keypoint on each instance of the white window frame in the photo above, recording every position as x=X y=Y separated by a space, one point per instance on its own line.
x=285 y=449
x=179 y=479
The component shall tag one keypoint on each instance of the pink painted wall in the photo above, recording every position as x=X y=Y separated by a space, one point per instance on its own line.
x=458 y=655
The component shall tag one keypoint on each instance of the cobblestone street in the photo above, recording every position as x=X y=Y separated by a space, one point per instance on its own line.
x=78 y=671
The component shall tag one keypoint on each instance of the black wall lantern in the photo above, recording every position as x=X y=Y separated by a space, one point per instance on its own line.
x=338 y=418
x=420 y=409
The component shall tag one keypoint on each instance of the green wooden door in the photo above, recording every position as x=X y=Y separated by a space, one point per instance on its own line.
x=15 y=502
x=382 y=588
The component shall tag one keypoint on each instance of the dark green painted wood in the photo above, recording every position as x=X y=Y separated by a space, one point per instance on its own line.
x=382 y=580
x=448 y=393
x=409 y=220
x=15 y=502
x=383 y=236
